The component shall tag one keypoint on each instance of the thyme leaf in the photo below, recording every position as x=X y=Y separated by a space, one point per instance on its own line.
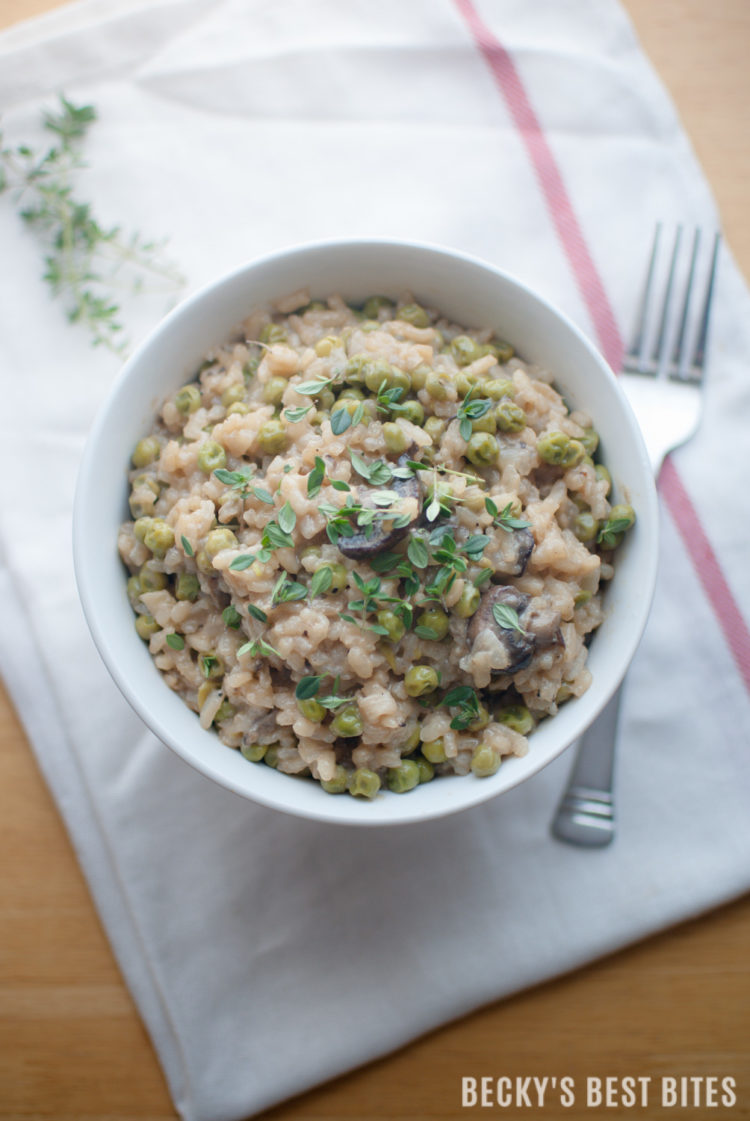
x=507 y=618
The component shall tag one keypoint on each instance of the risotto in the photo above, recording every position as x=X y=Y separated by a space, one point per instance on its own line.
x=368 y=545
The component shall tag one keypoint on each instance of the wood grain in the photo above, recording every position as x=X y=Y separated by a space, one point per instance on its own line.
x=72 y=1047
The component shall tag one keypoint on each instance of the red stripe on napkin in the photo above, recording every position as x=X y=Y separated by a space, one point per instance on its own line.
x=595 y=297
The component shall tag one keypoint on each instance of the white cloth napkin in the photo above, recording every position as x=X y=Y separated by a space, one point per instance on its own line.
x=267 y=954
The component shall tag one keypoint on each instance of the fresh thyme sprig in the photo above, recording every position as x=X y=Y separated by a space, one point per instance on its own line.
x=241 y=482
x=469 y=411
x=309 y=686
x=466 y=701
x=86 y=263
x=504 y=518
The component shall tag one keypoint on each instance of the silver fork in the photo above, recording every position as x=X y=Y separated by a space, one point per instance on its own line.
x=663 y=385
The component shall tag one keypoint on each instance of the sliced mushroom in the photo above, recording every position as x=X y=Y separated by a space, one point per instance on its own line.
x=508 y=650
x=510 y=553
x=383 y=535
x=504 y=650
x=543 y=622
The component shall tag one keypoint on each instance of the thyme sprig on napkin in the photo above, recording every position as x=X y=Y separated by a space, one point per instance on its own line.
x=87 y=264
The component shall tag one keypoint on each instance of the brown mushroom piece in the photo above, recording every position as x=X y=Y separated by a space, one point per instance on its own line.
x=511 y=553
x=505 y=649
x=383 y=535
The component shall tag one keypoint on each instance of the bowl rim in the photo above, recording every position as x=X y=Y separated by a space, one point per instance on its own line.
x=94 y=614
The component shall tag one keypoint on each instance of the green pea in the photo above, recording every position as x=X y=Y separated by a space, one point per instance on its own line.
x=465 y=350
x=134 y=589
x=271 y=757
x=218 y=540
x=254 y=752
x=141 y=527
x=435 y=426
x=187 y=587
x=502 y=350
x=315 y=305
x=211 y=457
x=339 y=782
x=585 y=526
x=510 y=417
x=400 y=379
x=404 y=777
x=581 y=597
x=396 y=439
x=274 y=390
x=563 y=694
x=622 y=513
x=146 y=451
x=393 y=624
x=412 y=411
x=559 y=449
x=146 y=625
x=438 y=385
x=464 y=383
x=467 y=602
x=144 y=495
x=481 y=720
x=590 y=440
x=225 y=710
x=603 y=474
x=434 y=751
x=232 y=394
x=238 y=408
x=328 y=343
x=426 y=769
x=419 y=375
x=516 y=717
x=486 y=423
x=272 y=437
x=411 y=743
x=621 y=519
x=498 y=388
x=187 y=399
x=376 y=372
x=482 y=449
x=414 y=314
x=312 y=710
x=364 y=783
x=151 y=578
x=371 y=307
x=420 y=680
x=158 y=537
x=339 y=577
x=273 y=333
x=145 y=480
x=354 y=370
x=484 y=761
x=347 y=722
x=351 y=392
x=325 y=399
x=203 y=561
x=211 y=666
x=437 y=620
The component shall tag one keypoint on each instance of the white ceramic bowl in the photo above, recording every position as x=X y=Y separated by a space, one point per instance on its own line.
x=466 y=290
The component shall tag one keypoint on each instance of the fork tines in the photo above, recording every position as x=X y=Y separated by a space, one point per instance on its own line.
x=671 y=355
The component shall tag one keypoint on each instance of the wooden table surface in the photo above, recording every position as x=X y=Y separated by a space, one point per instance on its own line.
x=71 y=1044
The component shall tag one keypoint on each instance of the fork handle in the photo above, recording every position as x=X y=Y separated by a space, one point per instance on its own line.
x=586 y=814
